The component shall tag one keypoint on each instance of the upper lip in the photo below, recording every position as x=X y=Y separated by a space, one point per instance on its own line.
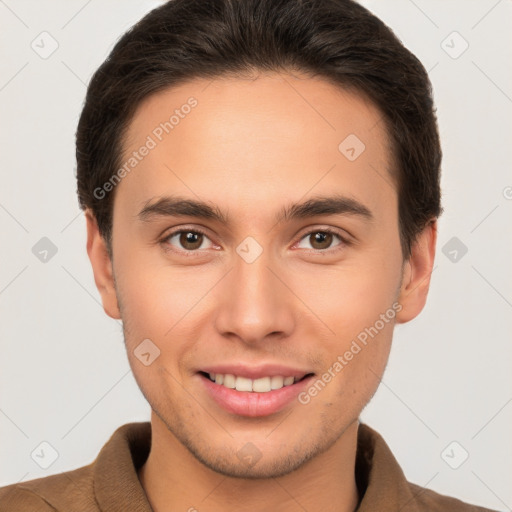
x=256 y=372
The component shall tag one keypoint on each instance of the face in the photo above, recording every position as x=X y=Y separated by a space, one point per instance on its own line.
x=257 y=240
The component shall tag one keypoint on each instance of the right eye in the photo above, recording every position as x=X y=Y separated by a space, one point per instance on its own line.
x=186 y=240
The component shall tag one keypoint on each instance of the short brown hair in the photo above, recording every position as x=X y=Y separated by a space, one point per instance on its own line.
x=338 y=40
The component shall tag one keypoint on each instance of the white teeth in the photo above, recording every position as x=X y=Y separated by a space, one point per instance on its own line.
x=243 y=384
x=276 y=382
x=229 y=381
x=261 y=385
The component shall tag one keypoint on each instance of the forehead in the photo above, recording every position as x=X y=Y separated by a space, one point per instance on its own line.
x=274 y=136
x=296 y=102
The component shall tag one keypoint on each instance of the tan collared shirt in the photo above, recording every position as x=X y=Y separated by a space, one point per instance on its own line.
x=111 y=483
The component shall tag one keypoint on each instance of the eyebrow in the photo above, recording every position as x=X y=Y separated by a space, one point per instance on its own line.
x=176 y=206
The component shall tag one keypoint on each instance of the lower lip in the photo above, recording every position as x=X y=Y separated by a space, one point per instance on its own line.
x=250 y=403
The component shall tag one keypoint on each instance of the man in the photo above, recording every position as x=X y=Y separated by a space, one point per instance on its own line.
x=260 y=180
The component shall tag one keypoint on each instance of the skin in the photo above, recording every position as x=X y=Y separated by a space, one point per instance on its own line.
x=252 y=147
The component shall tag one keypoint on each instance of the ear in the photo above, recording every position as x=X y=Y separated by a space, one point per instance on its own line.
x=416 y=274
x=101 y=266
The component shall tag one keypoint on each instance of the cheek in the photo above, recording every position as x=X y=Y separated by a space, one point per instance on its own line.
x=156 y=296
x=166 y=305
x=349 y=297
x=157 y=305
x=356 y=306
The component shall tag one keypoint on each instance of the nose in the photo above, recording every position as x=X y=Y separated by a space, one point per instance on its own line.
x=254 y=304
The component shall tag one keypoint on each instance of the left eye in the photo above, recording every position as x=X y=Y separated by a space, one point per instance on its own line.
x=321 y=239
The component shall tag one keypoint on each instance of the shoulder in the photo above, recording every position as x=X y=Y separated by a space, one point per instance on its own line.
x=386 y=487
x=70 y=490
x=16 y=497
x=431 y=501
x=111 y=479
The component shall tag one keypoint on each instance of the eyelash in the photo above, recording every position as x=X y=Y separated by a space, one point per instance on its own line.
x=343 y=240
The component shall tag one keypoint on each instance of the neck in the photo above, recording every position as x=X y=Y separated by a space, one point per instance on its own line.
x=324 y=483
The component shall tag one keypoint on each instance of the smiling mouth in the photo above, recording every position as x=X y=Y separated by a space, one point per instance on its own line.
x=260 y=385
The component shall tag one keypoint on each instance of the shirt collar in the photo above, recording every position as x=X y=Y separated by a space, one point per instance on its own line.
x=381 y=482
x=116 y=483
x=380 y=479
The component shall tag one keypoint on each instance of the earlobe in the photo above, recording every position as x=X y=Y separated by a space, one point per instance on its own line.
x=416 y=274
x=101 y=266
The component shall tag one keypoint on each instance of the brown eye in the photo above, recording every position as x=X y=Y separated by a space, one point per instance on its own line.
x=191 y=240
x=187 y=240
x=321 y=240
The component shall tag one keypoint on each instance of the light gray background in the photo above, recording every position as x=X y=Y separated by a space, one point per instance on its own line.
x=64 y=375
